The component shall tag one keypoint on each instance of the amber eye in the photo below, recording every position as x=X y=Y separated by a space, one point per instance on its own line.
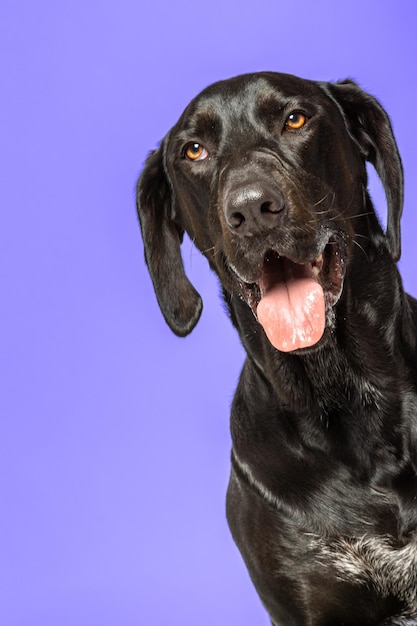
x=295 y=120
x=195 y=152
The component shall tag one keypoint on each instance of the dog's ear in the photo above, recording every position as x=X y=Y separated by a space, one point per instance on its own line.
x=370 y=126
x=179 y=302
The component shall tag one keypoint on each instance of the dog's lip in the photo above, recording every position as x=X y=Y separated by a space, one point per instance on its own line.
x=327 y=268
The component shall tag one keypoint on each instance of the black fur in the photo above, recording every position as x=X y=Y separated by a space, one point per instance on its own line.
x=322 y=499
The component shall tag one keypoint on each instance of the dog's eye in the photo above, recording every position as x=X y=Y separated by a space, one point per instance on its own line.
x=195 y=152
x=295 y=120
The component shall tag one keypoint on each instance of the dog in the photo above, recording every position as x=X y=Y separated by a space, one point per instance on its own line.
x=266 y=172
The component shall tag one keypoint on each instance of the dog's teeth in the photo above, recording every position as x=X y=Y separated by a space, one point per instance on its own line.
x=317 y=266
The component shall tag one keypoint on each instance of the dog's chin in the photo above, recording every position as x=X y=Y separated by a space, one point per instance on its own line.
x=301 y=297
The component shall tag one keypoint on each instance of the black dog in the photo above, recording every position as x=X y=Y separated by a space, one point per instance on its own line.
x=266 y=173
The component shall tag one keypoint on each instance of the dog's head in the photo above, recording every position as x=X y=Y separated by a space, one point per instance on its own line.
x=267 y=174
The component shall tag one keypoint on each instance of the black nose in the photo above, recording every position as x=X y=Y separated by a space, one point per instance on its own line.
x=253 y=208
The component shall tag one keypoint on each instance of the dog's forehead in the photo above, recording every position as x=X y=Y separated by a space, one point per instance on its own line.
x=239 y=95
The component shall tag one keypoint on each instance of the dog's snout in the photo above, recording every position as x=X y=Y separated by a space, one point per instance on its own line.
x=253 y=208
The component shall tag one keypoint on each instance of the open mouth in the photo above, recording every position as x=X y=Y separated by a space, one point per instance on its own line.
x=293 y=302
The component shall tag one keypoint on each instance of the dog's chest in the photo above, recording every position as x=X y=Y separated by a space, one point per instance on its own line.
x=284 y=556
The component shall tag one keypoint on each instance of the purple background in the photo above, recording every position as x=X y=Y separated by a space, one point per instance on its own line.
x=114 y=435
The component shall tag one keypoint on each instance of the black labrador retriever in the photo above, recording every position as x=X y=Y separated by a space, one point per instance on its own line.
x=266 y=172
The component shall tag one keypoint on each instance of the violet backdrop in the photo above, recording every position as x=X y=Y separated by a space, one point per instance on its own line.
x=114 y=434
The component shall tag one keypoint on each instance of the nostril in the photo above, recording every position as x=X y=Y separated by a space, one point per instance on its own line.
x=269 y=207
x=236 y=219
x=272 y=206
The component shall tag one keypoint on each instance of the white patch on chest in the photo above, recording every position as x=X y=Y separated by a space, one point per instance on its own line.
x=374 y=561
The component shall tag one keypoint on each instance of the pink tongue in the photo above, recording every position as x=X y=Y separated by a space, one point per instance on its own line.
x=292 y=314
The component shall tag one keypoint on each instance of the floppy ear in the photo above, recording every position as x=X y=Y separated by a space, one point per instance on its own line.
x=370 y=126
x=179 y=302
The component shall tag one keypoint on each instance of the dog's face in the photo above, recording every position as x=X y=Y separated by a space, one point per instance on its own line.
x=267 y=175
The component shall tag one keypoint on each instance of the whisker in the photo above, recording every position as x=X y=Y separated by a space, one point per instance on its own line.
x=209 y=250
x=361 y=215
x=323 y=199
x=361 y=248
